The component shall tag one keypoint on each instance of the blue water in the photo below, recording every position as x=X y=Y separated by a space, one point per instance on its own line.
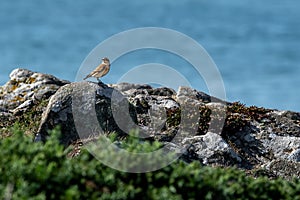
x=254 y=43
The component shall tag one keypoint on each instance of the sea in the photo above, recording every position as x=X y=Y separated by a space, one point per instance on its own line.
x=254 y=44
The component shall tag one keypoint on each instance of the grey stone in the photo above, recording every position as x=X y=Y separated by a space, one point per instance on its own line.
x=294 y=155
x=211 y=148
x=25 y=87
x=84 y=109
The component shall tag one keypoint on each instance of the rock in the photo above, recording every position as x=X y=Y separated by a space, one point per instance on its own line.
x=294 y=155
x=25 y=87
x=23 y=99
x=211 y=148
x=283 y=168
x=128 y=88
x=197 y=95
x=79 y=108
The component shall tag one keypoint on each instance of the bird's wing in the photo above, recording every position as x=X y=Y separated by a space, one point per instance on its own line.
x=100 y=68
x=95 y=71
x=87 y=76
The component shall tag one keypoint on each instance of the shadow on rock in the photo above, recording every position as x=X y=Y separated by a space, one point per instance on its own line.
x=87 y=109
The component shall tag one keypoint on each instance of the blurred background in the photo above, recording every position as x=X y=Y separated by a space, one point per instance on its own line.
x=255 y=44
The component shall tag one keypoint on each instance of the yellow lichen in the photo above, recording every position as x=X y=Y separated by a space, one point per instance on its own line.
x=30 y=80
x=14 y=85
x=18 y=98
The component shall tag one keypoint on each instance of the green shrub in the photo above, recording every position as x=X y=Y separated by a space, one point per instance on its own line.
x=43 y=171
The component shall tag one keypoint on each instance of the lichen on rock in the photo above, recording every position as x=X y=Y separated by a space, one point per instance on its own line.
x=25 y=85
x=23 y=99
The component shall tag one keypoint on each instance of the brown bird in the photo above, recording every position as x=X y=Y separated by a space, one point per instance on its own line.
x=101 y=70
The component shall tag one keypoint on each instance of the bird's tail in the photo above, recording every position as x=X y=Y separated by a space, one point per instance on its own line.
x=88 y=76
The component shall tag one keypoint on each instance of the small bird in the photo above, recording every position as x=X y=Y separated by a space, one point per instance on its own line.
x=101 y=70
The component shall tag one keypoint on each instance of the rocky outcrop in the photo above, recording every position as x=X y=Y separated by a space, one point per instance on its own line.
x=24 y=97
x=25 y=87
x=201 y=127
x=157 y=112
x=83 y=110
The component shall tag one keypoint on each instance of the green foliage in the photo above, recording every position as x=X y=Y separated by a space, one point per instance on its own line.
x=43 y=171
x=132 y=154
x=28 y=121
